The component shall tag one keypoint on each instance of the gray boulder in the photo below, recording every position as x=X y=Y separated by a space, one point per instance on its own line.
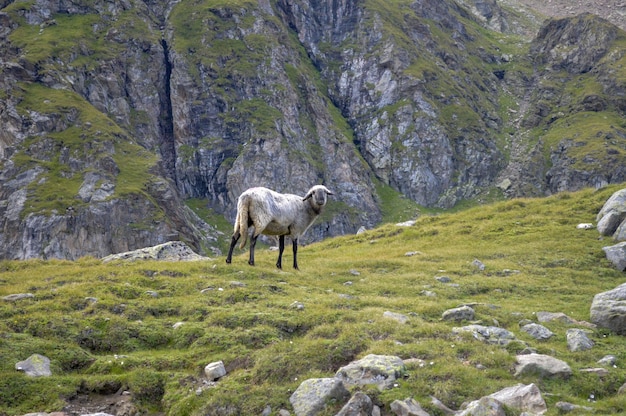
x=578 y=340
x=612 y=215
x=543 y=365
x=526 y=398
x=538 y=332
x=488 y=334
x=608 y=309
x=485 y=406
x=311 y=397
x=35 y=366
x=463 y=313
x=616 y=254
x=407 y=407
x=380 y=370
x=359 y=405
x=170 y=251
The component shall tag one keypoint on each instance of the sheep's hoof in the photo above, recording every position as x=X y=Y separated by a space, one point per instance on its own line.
x=251 y=263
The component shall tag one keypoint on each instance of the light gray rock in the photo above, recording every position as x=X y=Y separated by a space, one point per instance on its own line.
x=543 y=365
x=523 y=397
x=403 y=319
x=463 y=313
x=608 y=360
x=214 y=370
x=18 y=296
x=538 y=332
x=36 y=365
x=608 y=309
x=379 y=370
x=612 y=214
x=311 y=396
x=578 y=340
x=565 y=407
x=485 y=406
x=555 y=316
x=170 y=251
x=617 y=255
x=488 y=334
x=407 y=407
x=359 y=404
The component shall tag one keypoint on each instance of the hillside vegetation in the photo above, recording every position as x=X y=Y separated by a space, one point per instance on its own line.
x=110 y=327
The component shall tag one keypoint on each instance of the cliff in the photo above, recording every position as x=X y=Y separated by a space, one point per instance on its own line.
x=115 y=114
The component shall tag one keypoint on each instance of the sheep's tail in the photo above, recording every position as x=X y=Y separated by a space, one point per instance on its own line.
x=241 y=224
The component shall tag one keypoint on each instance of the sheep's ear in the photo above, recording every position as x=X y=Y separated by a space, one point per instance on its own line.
x=309 y=195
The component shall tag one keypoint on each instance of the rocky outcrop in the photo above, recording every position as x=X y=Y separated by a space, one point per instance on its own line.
x=608 y=309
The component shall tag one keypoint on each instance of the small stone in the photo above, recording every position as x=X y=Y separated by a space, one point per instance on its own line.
x=214 y=370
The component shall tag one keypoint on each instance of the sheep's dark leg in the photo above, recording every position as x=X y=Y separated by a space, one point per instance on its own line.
x=281 y=248
x=233 y=241
x=252 y=244
x=295 y=254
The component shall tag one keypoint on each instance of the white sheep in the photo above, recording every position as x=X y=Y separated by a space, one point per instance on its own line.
x=273 y=213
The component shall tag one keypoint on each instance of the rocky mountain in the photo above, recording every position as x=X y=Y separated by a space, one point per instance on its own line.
x=116 y=113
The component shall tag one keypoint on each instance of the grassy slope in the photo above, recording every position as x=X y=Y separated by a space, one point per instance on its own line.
x=126 y=338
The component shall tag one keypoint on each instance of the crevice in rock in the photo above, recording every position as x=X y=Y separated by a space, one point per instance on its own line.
x=167 y=147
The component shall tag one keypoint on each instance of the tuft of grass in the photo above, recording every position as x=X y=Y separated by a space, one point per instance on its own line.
x=114 y=324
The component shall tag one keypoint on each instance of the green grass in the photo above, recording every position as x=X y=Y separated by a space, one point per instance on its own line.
x=126 y=338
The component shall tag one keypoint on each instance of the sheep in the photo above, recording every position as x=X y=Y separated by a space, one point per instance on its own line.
x=273 y=213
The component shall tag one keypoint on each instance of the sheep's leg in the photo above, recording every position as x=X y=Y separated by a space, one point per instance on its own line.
x=295 y=254
x=252 y=244
x=233 y=241
x=281 y=248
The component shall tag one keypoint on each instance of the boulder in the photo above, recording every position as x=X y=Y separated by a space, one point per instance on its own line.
x=485 y=406
x=311 y=397
x=578 y=340
x=526 y=398
x=612 y=214
x=35 y=366
x=215 y=370
x=616 y=254
x=380 y=370
x=608 y=309
x=359 y=405
x=543 y=365
x=407 y=407
x=170 y=251
x=488 y=334
x=538 y=332
x=463 y=313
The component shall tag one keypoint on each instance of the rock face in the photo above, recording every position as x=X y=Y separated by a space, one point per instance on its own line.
x=101 y=146
x=612 y=217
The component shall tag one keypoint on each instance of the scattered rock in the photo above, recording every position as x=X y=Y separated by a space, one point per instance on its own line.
x=18 y=296
x=612 y=214
x=35 y=366
x=380 y=370
x=526 y=398
x=359 y=404
x=600 y=372
x=297 y=305
x=463 y=313
x=565 y=407
x=403 y=319
x=538 y=332
x=311 y=396
x=617 y=255
x=608 y=309
x=170 y=251
x=406 y=223
x=585 y=226
x=488 y=334
x=443 y=279
x=608 y=360
x=214 y=370
x=478 y=264
x=543 y=365
x=484 y=406
x=407 y=407
x=578 y=340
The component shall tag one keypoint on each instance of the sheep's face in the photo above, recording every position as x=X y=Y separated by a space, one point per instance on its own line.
x=318 y=195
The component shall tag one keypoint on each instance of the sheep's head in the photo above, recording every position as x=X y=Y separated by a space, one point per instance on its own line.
x=317 y=194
